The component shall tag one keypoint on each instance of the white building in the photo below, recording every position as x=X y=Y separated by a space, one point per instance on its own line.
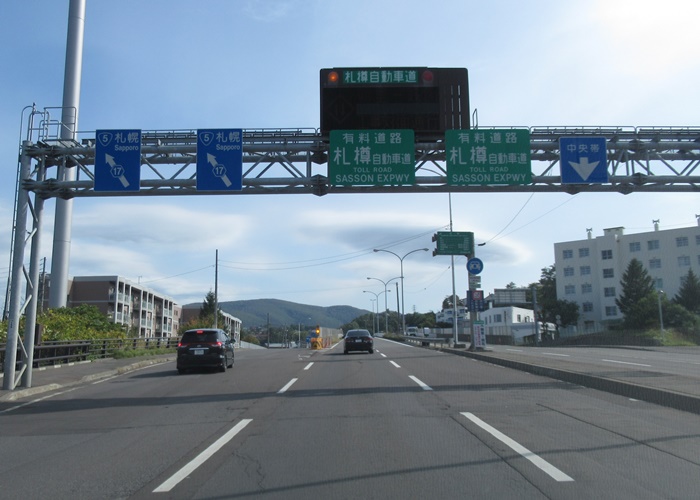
x=447 y=315
x=589 y=271
x=511 y=323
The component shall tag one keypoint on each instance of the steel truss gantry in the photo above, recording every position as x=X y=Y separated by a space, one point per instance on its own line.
x=293 y=161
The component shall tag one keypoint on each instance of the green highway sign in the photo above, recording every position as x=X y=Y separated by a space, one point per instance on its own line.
x=454 y=243
x=488 y=156
x=371 y=158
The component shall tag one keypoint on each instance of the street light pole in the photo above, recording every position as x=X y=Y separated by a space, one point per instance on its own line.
x=386 y=307
x=375 y=299
x=403 y=303
x=661 y=315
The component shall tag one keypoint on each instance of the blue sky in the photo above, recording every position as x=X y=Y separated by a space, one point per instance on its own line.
x=174 y=64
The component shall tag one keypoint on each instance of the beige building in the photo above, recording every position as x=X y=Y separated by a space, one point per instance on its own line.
x=146 y=312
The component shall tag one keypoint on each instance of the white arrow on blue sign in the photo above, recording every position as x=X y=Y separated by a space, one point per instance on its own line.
x=583 y=160
x=117 y=160
x=220 y=159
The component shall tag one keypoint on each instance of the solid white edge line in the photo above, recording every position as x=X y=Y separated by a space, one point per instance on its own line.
x=289 y=384
x=395 y=364
x=308 y=366
x=539 y=462
x=423 y=386
x=170 y=483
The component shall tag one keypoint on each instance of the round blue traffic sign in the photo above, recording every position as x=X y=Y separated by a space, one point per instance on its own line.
x=475 y=266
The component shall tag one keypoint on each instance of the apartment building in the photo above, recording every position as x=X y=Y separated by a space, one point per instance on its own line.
x=589 y=271
x=147 y=312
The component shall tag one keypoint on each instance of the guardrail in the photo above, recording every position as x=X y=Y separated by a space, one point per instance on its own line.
x=59 y=352
x=426 y=341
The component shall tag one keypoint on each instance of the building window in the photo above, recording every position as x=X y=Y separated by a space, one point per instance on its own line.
x=587 y=307
x=585 y=270
x=583 y=252
x=609 y=291
x=659 y=284
x=655 y=264
x=497 y=318
x=697 y=239
x=570 y=289
x=610 y=311
x=608 y=273
x=568 y=271
x=606 y=254
x=684 y=261
x=653 y=245
x=586 y=288
x=568 y=254
x=682 y=241
x=635 y=246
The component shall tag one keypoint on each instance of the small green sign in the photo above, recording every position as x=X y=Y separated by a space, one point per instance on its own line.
x=455 y=243
x=371 y=158
x=488 y=156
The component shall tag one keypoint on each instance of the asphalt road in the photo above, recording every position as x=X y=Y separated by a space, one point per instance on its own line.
x=404 y=422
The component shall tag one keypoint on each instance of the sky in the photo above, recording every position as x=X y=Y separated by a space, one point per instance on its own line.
x=182 y=65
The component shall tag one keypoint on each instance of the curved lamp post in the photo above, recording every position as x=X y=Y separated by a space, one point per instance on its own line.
x=403 y=306
x=386 y=307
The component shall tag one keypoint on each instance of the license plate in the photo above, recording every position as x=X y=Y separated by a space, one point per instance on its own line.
x=358 y=340
x=198 y=351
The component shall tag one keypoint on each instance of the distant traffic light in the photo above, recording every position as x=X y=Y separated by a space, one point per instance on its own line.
x=318 y=331
x=435 y=238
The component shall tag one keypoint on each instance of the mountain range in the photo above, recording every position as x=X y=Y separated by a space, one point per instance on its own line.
x=260 y=312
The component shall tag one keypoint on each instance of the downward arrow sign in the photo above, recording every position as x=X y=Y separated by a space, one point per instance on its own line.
x=583 y=168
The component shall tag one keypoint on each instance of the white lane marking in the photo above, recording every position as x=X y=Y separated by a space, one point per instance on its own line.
x=423 y=385
x=36 y=401
x=308 y=366
x=395 y=364
x=624 y=362
x=555 y=354
x=382 y=355
x=171 y=482
x=539 y=462
x=515 y=350
x=289 y=384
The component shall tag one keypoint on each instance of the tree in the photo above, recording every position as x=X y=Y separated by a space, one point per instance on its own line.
x=447 y=302
x=208 y=306
x=551 y=309
x=636 y=285
x=689 y=294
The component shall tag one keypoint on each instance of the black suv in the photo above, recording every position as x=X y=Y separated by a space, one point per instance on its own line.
x=204 y=348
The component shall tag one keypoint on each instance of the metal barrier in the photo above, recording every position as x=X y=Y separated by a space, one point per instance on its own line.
x=426 y=341
x=60 y=352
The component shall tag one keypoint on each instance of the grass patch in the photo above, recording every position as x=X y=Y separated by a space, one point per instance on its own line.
x=136 y=353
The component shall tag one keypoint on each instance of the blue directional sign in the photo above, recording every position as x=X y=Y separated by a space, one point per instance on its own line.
x=583 y=160
x=117 y=160
x=220 y=160
x=475 y=266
